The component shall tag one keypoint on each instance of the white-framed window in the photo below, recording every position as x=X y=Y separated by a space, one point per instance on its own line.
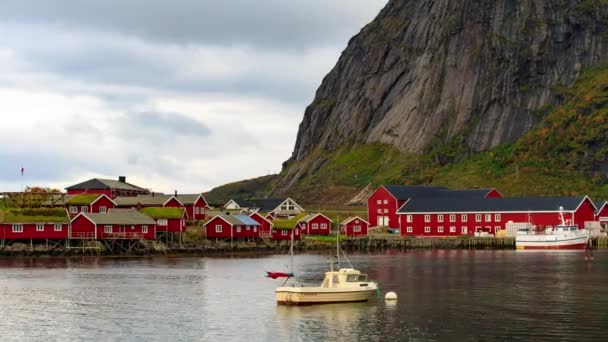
x=427 y=218
x=73 y=210
x=386 y=211
x=107 y=229
x=284 y=232
x=464 y=230
x=410 y=218
x=144 y=229
x=478 y=217
x=427 y=229
x=163 y=222
x=238 y=229
x=248 y=227
x=410 y=229
x=477 y=228
x=497 y=217
x=379 y=211
x=323 y=225
x=452 y=229
x=218 y=228
x=17 y=228
x=497 y=229
x=315 y=226
x=440 y=229
x=197 y=210
x=103 y=210
x=488 y=217
x=356 y=229
x=385 y=201
x=84 y=209
x=379 y=202
x=255 y=229
x=452 y=218
x=291 y=207
x=58 y=227
x=439 y=218
x=39 y=227
x=464 y=217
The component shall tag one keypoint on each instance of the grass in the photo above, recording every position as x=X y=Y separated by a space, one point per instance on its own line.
x=83 y=199
x=287 y=223
x=34 y=215
x=164 y=213
x=323 y=238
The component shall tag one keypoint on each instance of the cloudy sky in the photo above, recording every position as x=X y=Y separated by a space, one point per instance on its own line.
x=182 y=94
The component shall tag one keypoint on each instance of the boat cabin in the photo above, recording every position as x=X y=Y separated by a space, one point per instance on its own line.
x=345 y=277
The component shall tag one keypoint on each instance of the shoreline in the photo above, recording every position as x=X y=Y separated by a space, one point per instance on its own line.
x=209 y=248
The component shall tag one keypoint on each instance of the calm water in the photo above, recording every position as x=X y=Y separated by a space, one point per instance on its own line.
x=443 y=296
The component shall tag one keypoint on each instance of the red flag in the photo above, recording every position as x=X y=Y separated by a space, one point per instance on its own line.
x=22 y=169
x=275 y=275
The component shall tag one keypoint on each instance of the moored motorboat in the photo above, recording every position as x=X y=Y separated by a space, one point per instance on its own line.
x=563 y=236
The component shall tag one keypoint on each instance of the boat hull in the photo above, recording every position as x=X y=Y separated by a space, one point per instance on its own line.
x=569 y=244
x=308 y=296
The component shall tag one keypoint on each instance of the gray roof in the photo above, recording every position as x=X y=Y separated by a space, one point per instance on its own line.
x=404 y=192
x=348 y=219
x=239 y=220
x=156 y=200
x=98 y=183
x=121 y=216
x=507 y=204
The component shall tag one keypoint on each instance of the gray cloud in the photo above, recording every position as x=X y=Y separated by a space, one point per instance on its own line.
x=271 y=23
x=161 y=126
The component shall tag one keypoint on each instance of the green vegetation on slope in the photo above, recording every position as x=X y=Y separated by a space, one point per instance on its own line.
x=565 y=154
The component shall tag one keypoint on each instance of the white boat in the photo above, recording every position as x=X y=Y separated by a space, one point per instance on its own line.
x=563 y=236
x=346 y=285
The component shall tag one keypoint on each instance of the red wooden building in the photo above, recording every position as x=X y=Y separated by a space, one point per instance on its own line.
x=127 y=224
x=228 y=226
x=171 y=220
x=88 y=203
x=265 y=224
x=458 y=216
x=383 y=204
x=194 y=204
x=354 y=226
x=315 y=224
x=109 y=187
x=34 y=224
x=602 y=214
x=283 y=228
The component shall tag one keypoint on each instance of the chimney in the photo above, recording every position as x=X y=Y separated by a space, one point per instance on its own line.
x=175 y=193
x=122 y=179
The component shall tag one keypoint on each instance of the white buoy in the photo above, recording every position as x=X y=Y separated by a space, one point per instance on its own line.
x=390 y=296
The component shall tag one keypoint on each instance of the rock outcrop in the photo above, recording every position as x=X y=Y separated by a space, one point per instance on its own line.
x=426 y=72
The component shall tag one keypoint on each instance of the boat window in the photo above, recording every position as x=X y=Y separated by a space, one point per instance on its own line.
x=351 y=278
x=325 y=283
x=362 y=277
x=335 y=280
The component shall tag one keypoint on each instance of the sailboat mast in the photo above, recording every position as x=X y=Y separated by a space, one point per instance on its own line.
x=338 y=244
x=291 y=251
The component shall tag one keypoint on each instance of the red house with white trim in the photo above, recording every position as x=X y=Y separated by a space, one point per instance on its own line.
x=34 y=224
x=458 y=216
x=383 y=204
x=354 y=227
x=283 y=228
x=602 y=214
x=265 y=224
x=194 y=204
x=126 y=224
x=226 y=226
x=171 y=220
x=315 y=224
x=109 y=187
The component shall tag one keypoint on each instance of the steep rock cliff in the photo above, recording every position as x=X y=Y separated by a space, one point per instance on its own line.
x=427 y=71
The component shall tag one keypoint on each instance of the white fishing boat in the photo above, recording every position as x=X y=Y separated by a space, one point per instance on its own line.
x=563 y=236
x=344 y=285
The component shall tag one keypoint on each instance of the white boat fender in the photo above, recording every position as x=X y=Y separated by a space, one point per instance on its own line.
x=390 y=296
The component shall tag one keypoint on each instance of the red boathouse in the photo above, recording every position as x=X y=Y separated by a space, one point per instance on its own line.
x=34 y=224
x=354 y=227
x=228 y=226
x=127 y=224
x=171 y=220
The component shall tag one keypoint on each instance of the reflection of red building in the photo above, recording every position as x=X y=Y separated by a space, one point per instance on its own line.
x=109 y=187
x=458 y=216
x=354 y=226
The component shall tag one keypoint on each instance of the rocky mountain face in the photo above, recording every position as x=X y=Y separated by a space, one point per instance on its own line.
x=426 y=72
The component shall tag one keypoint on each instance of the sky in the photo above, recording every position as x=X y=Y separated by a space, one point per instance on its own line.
x=175 y=95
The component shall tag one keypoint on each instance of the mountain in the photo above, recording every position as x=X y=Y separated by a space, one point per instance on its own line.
x=431 y=85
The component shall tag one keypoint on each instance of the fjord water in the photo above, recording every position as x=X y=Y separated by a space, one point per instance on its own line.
x=443 y=296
